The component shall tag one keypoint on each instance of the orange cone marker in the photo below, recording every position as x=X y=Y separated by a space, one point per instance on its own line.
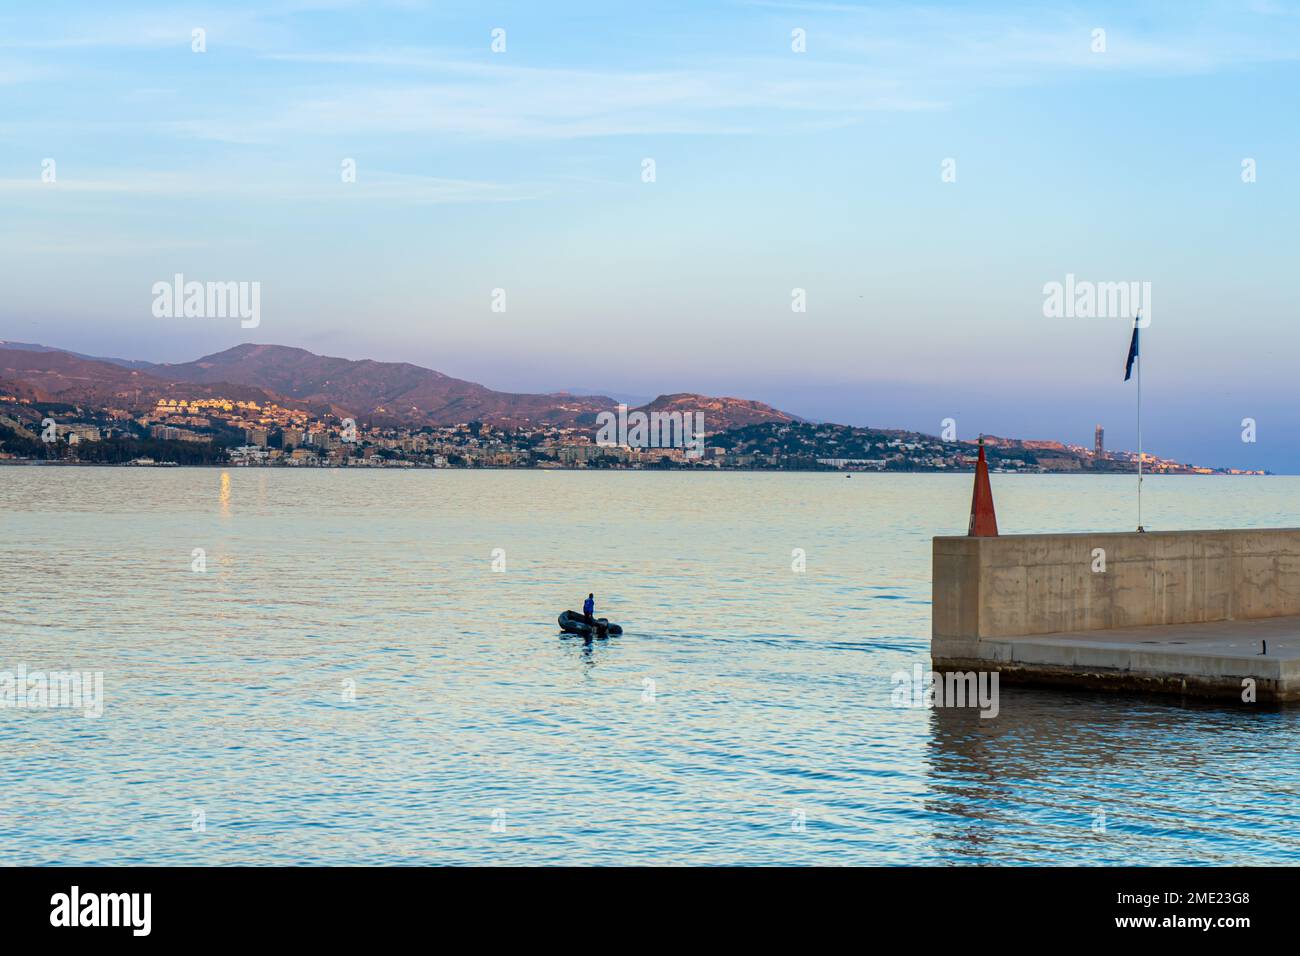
x=983 y=522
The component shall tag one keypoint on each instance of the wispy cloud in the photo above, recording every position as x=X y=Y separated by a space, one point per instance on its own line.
x=105 y=245
x=470 y=99
x=860 y=59
x=983 y=44
x=282 y=185
x=13 y=72
x=242 y=25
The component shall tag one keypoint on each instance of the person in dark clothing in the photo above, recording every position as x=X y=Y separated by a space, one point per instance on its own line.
x=589 y=610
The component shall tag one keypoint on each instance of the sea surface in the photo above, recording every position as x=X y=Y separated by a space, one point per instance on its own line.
x=346 y=679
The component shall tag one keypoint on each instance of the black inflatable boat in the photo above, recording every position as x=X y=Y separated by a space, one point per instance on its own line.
x=571 y=622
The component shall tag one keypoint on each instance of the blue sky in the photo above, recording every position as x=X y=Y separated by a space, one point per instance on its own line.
x=775 y=170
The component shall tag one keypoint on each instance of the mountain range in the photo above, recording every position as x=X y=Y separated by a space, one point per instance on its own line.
x=380 y=393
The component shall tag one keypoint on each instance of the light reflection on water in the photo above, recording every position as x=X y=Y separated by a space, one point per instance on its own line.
x=771 y=689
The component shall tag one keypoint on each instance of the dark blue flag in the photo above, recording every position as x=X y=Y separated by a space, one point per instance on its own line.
x=1132 y=354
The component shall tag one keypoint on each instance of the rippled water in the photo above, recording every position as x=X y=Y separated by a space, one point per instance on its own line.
x=226 y=691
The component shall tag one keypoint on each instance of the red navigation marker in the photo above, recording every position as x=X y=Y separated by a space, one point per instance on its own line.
x=983 y=521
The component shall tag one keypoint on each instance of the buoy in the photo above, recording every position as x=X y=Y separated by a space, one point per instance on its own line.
x=983 y=521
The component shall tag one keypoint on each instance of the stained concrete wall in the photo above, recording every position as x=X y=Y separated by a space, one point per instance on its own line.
x=1015 y=585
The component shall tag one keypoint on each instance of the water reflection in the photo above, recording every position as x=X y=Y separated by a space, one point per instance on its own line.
x=223 y=497
x=585 y=647
x=1121 y=779
x=741 y=693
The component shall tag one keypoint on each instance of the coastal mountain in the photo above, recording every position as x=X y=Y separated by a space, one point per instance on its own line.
x=57 y=373
x=994 y=441
x=31 y=347
x=737 y=412
x=397 y=393
x=35 y=380
x=53 y=375
x=22 y=391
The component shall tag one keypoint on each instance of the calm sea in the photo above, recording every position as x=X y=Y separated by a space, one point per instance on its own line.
x=351 y=681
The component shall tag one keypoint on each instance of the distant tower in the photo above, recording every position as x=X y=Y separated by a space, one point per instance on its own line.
x=1099 y=445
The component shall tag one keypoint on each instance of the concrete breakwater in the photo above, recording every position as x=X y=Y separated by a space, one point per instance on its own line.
x=1210 y=613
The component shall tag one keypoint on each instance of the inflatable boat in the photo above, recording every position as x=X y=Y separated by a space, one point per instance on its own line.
x=571 y=622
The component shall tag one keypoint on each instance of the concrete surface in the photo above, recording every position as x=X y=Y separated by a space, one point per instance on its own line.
x=1182 y=612
x=1207 y=660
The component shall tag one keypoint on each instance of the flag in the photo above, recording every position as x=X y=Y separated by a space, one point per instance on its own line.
x=1132 y=353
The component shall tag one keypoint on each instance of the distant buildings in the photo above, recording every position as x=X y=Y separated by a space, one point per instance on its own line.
x=248 y=455
x=864 y=464
x=169 y=433
x=267 y=434
x=78 y=432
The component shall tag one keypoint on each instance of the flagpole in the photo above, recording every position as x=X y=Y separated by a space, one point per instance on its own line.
x=1137 y=324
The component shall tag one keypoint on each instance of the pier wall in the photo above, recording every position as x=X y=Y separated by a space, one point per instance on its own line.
x=1017 y=585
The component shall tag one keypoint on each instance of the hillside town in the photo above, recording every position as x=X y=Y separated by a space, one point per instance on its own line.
x=246 y=433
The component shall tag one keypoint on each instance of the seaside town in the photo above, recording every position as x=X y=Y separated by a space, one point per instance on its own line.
x=220 y=431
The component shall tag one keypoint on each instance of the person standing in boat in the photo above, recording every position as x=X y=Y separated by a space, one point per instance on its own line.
x=589 y=609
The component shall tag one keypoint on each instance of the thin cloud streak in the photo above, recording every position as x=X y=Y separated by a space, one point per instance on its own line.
x=538 y=103
x=371 y=186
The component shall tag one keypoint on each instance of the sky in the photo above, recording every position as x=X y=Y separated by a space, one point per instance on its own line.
x=920 y=171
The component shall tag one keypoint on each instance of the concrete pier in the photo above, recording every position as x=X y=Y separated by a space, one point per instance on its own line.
x=1187 y=612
